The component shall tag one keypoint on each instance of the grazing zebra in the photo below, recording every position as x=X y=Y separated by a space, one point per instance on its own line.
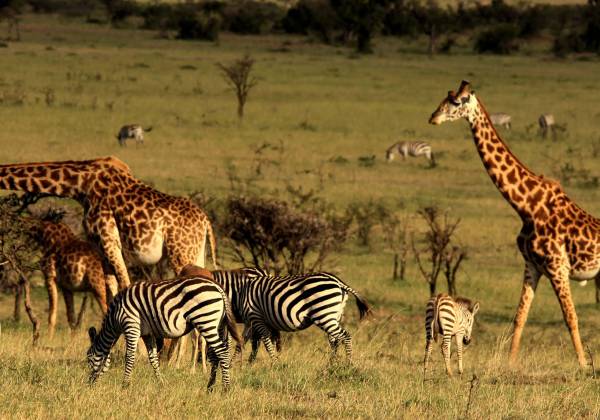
x=166 y=309
x=501 y=120
x=268 y=304
x=132 y=131
x=410 y=148
x=450 y=317
x=547 y=122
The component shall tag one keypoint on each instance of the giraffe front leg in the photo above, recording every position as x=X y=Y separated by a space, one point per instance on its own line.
x=459 y=352
x=151 y=346
x=50 y=277
x=562 y=288
x=530 y=282
x=111 y=244
x=446 y=342
x=70 y=305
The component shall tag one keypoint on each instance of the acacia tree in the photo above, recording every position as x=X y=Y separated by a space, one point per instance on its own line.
x=237 y=76
x=360 y=19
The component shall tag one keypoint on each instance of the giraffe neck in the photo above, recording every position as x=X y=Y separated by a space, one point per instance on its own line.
x=517 y=184
x=53 y=178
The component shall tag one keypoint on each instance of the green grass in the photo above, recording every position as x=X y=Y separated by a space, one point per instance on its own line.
x=320 y=103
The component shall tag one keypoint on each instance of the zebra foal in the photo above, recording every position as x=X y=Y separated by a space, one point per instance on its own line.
x=410 y=148
x=450 y=318
x=268 y=304
x=166 y=309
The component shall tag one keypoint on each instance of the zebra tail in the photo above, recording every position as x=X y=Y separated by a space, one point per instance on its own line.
x=148 y=129
x=364 y=309
x=434 y=323
x=213 y=245
x=231 y=324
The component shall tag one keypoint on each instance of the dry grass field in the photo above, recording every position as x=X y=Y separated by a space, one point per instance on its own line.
x=67 y=88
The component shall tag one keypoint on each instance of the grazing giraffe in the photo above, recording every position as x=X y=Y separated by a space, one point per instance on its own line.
x=120 y=211
x=558 y=238
x=72 y=264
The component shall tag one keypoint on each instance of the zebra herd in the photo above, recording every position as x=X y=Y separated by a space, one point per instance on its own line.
x=211 y=303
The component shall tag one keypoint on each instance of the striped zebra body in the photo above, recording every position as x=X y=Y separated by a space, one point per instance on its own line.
x=166 y=309
x=501 y=120
x=410 y=148
x=268 y=304
x=450 y=318
x=132 y=131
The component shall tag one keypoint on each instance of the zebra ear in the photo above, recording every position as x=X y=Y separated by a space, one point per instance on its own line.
x=92 y=333
x=475 y=308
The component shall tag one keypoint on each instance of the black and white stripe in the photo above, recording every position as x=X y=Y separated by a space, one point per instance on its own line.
x=410 y=148
x=166 y=309
x=270 y=304
x=500 y=119
x=450 y=318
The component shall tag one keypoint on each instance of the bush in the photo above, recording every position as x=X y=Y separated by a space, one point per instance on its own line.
x=567 y=43
x=501 y=39
x=270 y=233
x=199 y=25
x=253 y=17
x=312 y=17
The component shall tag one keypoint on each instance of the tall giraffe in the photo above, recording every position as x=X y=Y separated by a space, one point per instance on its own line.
x=120 y=211
x=71 y=264
x=558 y=238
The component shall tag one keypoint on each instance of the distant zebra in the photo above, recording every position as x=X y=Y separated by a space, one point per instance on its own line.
x=547 y=122
x=449 y=317
x=268 y=304
x=501 y=120
x=166 y=309
x=132 y=131
x=410 y=148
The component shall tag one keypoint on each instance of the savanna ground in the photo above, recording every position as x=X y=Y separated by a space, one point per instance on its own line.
x=323 y=108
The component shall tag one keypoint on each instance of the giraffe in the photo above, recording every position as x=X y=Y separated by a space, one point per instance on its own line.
x=72 y=264
x=120 y=211
x=558 y=238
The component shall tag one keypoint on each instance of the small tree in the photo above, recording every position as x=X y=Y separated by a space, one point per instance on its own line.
x=395 y=233
x=17 y=251
x=361 y=19
x=237 y=76
x=437 y=247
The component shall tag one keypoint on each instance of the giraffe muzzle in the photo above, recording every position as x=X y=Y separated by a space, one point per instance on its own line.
x=435 y=119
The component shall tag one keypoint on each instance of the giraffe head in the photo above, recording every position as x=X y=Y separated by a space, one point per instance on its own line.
x=461 y=104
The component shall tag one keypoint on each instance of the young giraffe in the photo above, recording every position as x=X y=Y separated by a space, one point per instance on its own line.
x=558 y=238
x=120 y=211
x=72 y=264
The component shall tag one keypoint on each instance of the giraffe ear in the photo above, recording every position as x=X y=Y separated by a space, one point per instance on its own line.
x=475 y=308
x=92 y=333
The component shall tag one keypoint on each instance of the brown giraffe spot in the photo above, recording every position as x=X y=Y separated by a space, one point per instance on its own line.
x=531 y=183
x=535 y=198
x=512 y=178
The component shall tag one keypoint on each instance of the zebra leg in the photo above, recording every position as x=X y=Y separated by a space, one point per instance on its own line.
x=459 y=352
x=218 y=354
x=336 y=333
x=214 y=364
x=254 y=352
x=195 y=334
x=265 y=334
x=333 y=343
x=132 y=336
x=446 y=352
x=151 y=346
x=428 y=349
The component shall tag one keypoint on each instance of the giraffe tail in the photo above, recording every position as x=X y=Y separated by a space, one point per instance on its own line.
x=213 y=245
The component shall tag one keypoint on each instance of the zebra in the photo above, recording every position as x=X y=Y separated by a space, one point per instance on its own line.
x=132 y=131
x=501 y=119
x=547 y=122
x=410 y=148
x=450 y=317
x=269 y=304
x=165 y=309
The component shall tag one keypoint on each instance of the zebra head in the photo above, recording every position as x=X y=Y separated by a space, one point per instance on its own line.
x=457 y=105
x=470 y=317
x=98 y=361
